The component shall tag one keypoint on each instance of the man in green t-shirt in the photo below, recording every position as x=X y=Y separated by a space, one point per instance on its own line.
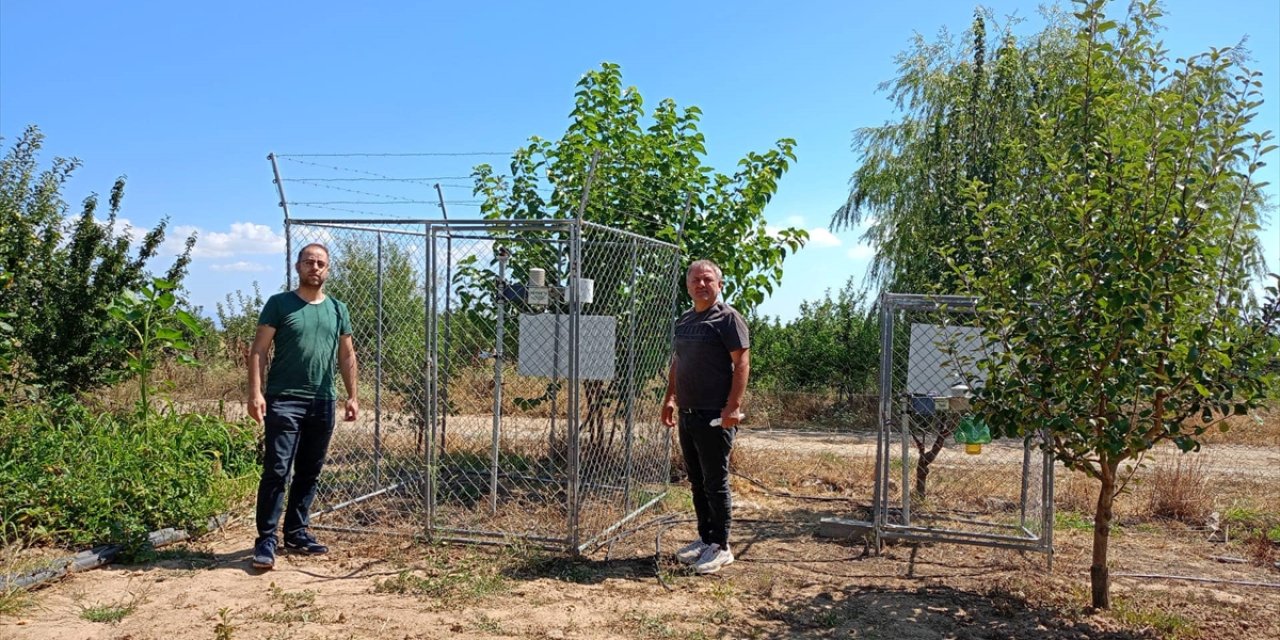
x=311 y=333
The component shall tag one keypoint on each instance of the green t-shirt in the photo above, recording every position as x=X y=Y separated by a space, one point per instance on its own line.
x=306 y=344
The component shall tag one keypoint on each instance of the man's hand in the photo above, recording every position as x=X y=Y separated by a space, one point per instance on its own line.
x=353 y=408
x=669 y=413
x=730 y=417
x=257 y=407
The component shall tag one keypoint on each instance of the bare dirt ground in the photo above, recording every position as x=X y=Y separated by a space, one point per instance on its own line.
x=786 y=583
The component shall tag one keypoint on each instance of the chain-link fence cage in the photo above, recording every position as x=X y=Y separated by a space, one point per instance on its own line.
x=940 y=476
x=507 y=403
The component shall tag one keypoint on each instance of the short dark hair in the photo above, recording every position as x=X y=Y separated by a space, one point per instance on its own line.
x=313 y=244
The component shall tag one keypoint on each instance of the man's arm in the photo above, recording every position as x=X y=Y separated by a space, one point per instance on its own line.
x=669 y=402
x=731 y=414
x=257 y=404
x=350 y=375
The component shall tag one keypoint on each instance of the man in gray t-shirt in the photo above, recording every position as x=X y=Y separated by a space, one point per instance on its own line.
x=708 y=376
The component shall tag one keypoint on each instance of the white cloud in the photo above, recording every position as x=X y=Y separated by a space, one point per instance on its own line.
x=820 y=237
x=240 y=266
x=127 y=229
x=860 y=252
x=244 y=238
x=795 y=221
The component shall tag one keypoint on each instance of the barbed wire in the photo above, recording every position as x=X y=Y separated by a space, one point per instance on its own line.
x=427 y=154
x=382 y=214
x=345 y=169
x=425 y=179
x=359 y=202
x=357 y=211
x=359 y=192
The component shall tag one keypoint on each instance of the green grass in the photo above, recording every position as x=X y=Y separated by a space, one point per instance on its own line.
x=1170 y=625
x=294 y=606
x=190 y=558
x=113 y=612
x=678 y=498
x=106 y=613
x=647 y=625
x=292 y=599
x=14 y=601
x=485 y=624
x=452 y=585
x=1072 y=520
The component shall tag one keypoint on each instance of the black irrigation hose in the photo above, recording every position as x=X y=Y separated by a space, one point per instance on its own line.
x=618 y=537
x=98 y=556
x=657 y=554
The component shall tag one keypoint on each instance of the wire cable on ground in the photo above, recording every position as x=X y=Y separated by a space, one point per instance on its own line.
x=1157 y=576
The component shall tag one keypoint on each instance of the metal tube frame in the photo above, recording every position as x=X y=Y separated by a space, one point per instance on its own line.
x=1042 y=541
x=433 y=413
x=377 y=376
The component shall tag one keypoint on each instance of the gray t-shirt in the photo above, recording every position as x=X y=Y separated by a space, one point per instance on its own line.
x=704 y=370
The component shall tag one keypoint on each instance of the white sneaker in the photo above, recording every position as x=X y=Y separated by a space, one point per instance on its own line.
x=713 y=557
x=691 y=553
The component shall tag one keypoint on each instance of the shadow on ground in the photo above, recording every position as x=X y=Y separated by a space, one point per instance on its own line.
x=929 y=613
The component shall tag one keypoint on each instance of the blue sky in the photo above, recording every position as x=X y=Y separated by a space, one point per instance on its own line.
x=187 y=99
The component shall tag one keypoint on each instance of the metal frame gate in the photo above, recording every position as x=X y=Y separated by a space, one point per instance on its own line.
x=927 y=488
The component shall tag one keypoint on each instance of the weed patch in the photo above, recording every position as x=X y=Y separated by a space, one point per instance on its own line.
x=448 y=585
x=113 y=612
x=1179 y=491
x=1168 y=624
x=74 y=477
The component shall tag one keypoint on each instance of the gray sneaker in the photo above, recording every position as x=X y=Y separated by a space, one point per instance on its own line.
x=713 y=557
x=690 y=553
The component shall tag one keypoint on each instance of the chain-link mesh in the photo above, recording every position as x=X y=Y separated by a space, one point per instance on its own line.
x=375 y=475
x=506 y=402
x=941 y=476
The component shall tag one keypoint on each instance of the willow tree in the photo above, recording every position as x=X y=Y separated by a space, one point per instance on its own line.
x=957 y=104
x=1112 y=252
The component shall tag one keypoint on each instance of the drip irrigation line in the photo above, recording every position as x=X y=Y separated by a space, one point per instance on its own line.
x=100 y=555
x=1158 y=576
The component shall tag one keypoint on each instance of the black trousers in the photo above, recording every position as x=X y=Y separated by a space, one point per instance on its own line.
x=706 y=457
x=297 y=439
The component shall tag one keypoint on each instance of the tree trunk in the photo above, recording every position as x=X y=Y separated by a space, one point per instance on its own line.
x=928 y=455
x=1099 y=576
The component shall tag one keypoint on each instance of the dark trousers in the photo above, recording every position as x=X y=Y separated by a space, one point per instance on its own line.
x=706 y=457
x=297 y=438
